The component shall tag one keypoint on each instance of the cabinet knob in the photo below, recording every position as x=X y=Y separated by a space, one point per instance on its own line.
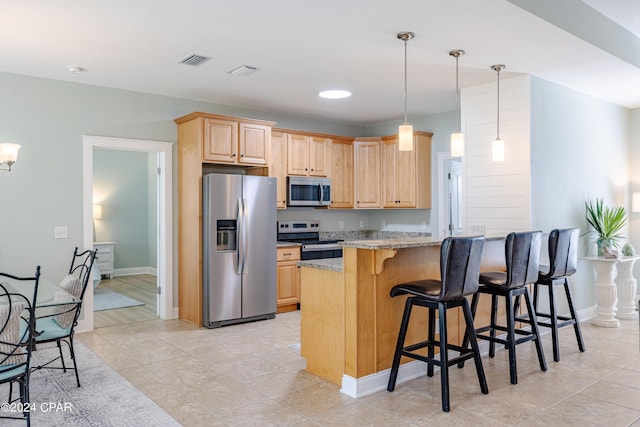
x=311 y=169
x=241 y=155
x=233 y=155
x=306 y=169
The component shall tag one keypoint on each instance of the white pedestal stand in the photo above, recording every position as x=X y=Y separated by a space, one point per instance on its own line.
x=606 y=291
x=627 y=287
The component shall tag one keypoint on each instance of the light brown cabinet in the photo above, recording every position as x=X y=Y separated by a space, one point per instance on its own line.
x=231 y=141
x=308 y=155
x=278 y=167
x=398 y=175
x=205 y=139
x=342 y=173
x=367 y=172
x=288 y=279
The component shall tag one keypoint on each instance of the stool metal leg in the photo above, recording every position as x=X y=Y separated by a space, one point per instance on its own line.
x=576 y=325
x=511 y=338
x=399 y=345
x=553 y=313
x=471 y=334
x=535 y=330
x=492 y=332
x=431 y=352
x=444 y=356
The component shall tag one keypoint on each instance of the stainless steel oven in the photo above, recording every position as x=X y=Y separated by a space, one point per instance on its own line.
x=308 y=191
x=306 y=233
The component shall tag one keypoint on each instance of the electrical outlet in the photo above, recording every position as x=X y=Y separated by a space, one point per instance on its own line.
x=476 y=229
x=341 y=225
x=361 y=224
x=423 y=225
x=383 y=224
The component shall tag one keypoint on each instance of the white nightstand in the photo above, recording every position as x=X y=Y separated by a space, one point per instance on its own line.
x=104 y=257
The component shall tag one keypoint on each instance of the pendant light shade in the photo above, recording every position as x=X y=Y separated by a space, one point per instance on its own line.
x=457 y=137
x=405 y=131
x=498 y=144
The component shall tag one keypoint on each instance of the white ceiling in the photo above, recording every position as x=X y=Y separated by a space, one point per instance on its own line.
x=304 y=47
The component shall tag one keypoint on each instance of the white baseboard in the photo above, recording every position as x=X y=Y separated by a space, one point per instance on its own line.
x=176 y=312
x=135 y=270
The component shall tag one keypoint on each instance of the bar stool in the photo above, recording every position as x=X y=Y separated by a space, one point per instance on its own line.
x=563 y=260
x=459 y=271
x=522 y=254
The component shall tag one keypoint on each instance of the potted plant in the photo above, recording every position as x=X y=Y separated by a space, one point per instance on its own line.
x=606 y=222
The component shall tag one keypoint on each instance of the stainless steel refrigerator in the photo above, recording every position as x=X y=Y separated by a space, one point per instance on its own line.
x=239 y=249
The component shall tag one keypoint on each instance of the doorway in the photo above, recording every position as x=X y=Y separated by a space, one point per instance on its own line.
x=450 y=201
x=163 y=151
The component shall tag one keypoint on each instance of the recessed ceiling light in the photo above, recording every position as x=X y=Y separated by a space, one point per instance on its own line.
x=334 y=94
x=243 y=70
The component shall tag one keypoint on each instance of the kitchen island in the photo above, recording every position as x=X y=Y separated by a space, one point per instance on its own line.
x=349 y=323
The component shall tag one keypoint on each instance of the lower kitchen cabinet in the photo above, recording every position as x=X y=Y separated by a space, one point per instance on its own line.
x=288 y=279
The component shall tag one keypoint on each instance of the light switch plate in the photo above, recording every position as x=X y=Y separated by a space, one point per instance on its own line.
x=60 y=232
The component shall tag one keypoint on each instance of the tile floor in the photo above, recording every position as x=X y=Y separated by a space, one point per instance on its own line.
x=252 y=374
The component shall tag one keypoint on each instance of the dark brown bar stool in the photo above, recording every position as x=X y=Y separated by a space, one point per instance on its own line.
x=563 y=260
x=459 y=271
x=522 y=256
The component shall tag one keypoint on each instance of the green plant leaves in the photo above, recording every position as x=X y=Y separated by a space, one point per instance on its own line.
x=606 y=221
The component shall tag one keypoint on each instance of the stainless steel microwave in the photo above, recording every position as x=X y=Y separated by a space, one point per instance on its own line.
x=308 y=191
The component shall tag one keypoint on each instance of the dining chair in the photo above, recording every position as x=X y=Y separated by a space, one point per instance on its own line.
x=459 y=271
x=17 y=319
x=59 y=325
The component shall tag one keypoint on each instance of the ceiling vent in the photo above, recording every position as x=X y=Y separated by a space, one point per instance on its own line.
x=194 y=60
x=243 y=70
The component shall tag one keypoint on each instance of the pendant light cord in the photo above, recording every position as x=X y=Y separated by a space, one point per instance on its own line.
x=405 y=80
x=498 y=115
x=458 y=95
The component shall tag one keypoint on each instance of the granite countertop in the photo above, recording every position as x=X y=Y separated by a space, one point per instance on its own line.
x=331 y=264
x=400 y=243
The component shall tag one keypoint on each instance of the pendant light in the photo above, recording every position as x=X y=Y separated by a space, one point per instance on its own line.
x=498 y=144
x=405 y=131
x=457 y=137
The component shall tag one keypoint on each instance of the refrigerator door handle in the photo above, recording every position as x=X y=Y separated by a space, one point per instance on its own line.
x=242 y=235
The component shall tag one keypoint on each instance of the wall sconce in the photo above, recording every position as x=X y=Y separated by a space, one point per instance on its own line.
x=405 y=131
x=8 y=155
x=635 y=202
x=97 y=211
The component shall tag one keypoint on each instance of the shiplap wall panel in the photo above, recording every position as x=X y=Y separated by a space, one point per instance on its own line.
x=497 y=194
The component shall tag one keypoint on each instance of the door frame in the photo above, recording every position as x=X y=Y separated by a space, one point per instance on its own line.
x=164 y=151
x=443 y=216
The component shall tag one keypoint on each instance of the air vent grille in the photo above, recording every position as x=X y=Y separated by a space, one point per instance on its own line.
x=194 y=60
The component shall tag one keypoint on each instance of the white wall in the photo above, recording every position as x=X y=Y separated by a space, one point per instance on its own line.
x=497 y=194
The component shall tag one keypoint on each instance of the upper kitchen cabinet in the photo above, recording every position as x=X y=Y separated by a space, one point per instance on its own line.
x=367 y=172
x=278 y=166
x=308 y=155
x=230 y=140
x=342 y=173
x=406 y=175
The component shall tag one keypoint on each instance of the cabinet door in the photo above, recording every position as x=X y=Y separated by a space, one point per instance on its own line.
x=254 y=144
x=398 y=176
x=406 y=179
x=342 y=174
x=319 y=156
x=367 y=173
x=220 y=141
x=297 y=155
x=277 y=166
x=390 y=173
x=288 y=282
